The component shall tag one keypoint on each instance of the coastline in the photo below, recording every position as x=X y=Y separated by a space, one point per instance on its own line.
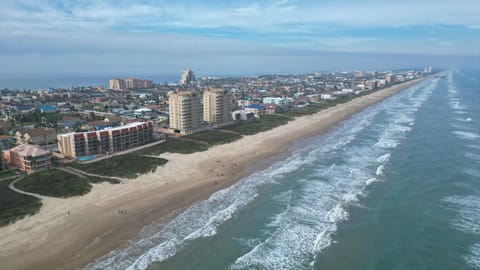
x=51 y=239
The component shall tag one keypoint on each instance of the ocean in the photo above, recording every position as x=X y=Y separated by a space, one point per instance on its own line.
x=397 y=186
x=73 y=81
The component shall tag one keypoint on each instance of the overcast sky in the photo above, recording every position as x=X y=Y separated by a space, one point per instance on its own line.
x=98 y=37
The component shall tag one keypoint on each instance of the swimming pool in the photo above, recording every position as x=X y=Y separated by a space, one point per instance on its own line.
x=86 y=158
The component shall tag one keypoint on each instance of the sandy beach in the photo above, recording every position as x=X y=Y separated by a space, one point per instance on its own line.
x=53 y=239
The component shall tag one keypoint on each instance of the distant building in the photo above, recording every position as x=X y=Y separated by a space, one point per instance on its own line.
x=70 y=121
x=107 y=141
x=242 y=115
x=36 y=136
x=282 y=103
x=217 y=106
x=24 y=109
x=243 y=103
x=388 y=78
x=257 y=109
x=188 y=76
x=185 y=111
x=117 y=84
x=99 y=124
x=143 y=112
x=29 y=158
x=130 y=83
x=48 y=109
x=359 y=74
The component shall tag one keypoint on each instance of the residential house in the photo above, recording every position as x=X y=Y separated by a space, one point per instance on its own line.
x=257 y=109
x=36 y=136
x=48 y=109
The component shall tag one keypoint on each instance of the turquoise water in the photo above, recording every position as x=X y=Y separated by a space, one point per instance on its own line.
x=86 y=158
x=395 y=187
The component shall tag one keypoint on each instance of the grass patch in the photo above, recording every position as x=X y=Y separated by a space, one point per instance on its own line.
x=214 y=137
x=54 y=183
x=14 y=206
x=264 y=123
x=6 y=174
x=173 y=146
x=125 y=166
x=96 y=180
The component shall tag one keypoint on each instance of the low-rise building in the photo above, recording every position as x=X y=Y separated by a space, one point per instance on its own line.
x=28 y=158
x=257 y=109
x=36 y=136
x=48 y=109
x=282 y=103
x=106 y=141
x=242 y=115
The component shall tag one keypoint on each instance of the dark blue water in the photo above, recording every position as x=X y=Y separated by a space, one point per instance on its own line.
x=70 y=81
x=395 y=187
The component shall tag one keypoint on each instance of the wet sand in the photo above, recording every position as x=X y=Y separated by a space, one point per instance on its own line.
x=111 y=215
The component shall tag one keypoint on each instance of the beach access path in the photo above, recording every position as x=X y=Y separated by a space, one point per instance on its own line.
x=51 y=239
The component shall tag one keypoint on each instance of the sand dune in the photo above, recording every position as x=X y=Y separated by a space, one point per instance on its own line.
x=52 y=239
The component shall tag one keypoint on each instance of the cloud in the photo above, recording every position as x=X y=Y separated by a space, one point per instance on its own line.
x=182 y=31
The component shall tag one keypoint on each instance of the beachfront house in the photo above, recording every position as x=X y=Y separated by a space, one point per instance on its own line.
x=28 y=158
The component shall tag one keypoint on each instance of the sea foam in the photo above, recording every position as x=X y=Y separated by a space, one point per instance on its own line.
x=466 y=135
x=307 y=224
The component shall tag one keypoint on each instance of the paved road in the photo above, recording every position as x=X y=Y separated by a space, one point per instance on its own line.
x=72 y=170
x=12 y=187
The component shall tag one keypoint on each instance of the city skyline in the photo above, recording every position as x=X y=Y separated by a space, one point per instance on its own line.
x=47 y=38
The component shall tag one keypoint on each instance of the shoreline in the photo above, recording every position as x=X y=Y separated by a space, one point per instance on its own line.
x=51 y=239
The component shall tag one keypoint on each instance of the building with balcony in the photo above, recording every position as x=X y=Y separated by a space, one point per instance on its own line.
x=217 y=107
x=28 y=158
x=282 y=103
x=130 y=83
x=106 y=141
x=185 y=112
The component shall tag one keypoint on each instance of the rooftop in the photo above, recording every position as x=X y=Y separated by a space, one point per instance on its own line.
x=129 y=125
x=29 y=150
x=37 y=132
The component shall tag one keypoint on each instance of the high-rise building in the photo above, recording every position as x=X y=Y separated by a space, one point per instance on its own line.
x=388 y=77
x=188 y=76
x=217 y=106
x=359 y=74
x=117 y=84
x=185 y=111
x=130 y=83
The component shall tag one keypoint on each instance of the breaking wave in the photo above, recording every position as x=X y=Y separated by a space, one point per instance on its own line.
x=310 y=216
